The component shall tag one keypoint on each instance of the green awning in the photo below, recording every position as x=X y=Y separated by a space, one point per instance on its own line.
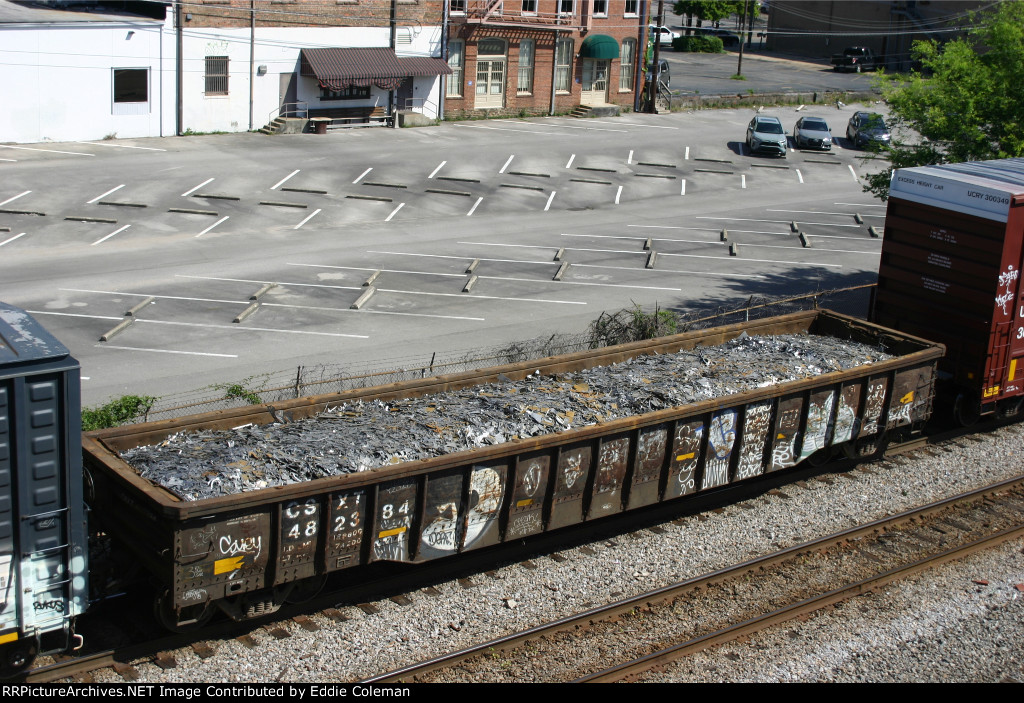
x=599 y=46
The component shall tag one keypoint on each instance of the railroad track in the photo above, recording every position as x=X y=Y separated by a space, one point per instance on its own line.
x=156 y=646
x=893 y=548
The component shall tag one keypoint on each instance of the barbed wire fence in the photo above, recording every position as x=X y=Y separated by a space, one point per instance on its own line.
x=627 y=325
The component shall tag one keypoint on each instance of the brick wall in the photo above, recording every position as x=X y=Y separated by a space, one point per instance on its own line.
x=312 y=13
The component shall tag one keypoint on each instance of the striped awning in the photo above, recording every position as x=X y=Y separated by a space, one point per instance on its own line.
x=339 y=68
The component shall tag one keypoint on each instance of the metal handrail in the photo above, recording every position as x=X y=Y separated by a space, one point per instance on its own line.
x=410 y=104
x=277 y=110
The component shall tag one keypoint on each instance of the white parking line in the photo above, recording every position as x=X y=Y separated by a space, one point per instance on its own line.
x=580 y=283
x=13 y=161
x=502 y=129
x=682 y=189
x=573 y=126
x=631 y=124
x=211 y=226
x=820 y=212
x=862 y=204
x=686 y=155
x=853 y=173
x=308 y=217
x=550 y=198
x=618 y=194
x=103 y=239
x=193 y=190
x=755 y=261
x=569 y=162
x=99 y=197
x=165 y=351
x=507 y=163
x=8 y=241
x=377 y=312
x=122 y=146
x=362 y=175
x=439 y=167
x=800 y=175
x=395 y=211
x=629 y=159
x=743 y=181
x=283 y=180
x=754 y=219
x=661 y=270
x=473 y=209
x=19 y=195
x=232 y=327
x=51 y=151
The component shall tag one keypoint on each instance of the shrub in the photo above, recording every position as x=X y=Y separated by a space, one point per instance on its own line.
x=697 y=44
x=117 y=412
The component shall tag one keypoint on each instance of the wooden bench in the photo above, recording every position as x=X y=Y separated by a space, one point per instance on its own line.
x=351 y=116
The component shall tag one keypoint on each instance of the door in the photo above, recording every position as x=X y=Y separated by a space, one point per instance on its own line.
x=490 y=73
x=287 y=94
x=595 y=82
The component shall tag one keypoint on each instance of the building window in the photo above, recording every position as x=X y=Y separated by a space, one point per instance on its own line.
x=457 y=7
x=529 y=7
x=456 y=59
x=352 y=92
x=563 y=65
x=490 y=73
x=566 y=7
x=600 y=8
x=131 y=85
x=526 y=52
x=627 y=64
x=631 y=8
x=216 y=75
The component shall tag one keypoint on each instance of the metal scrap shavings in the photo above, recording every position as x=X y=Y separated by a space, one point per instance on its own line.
x=365 y=435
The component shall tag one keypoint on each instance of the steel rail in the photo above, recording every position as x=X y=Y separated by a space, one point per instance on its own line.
x=665 y=593
x=791 y=612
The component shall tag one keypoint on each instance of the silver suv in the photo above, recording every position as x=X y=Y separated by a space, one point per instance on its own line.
x=766 y=135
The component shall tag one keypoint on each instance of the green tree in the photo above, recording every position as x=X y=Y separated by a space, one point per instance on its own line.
x=967 y=103
x=706 y=10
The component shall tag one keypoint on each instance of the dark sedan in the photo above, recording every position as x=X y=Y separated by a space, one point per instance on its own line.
x=866 y=128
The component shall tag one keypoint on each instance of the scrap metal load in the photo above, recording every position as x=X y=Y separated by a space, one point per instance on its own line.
x=361 y=435
x=580 y=443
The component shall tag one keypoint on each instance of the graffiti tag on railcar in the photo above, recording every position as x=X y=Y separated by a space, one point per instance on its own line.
x=755 y=433
x=721 y=437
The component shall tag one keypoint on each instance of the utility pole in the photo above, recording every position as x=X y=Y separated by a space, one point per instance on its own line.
x=743 y=19
x=655 y=73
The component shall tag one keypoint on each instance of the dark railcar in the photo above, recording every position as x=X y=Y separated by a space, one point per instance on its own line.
x=950 y=271
x=247 y=552
x=43 y=548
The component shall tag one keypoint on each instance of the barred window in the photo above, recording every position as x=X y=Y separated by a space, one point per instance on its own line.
x=456 y=59
x=563 y=66
x=526 y=52
x=216 y=75
x=627 y=64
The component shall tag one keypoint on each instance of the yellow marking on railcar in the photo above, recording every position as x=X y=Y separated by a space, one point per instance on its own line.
x=991 y=391
x=524 y=503
x=226 y=566
x=391 y=533
x=908 y=398
x=684 y=457
x=9 y=637
x=1013 y=368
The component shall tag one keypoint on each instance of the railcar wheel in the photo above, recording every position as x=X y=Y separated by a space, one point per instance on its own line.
x=820 y=457
x=306 y=589
x=867 y=448
x=1010 y=408
x=16 y=657
x=190 y=618
x=966 y=409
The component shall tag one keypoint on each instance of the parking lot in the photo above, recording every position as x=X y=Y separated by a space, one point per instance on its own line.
x=376 y=244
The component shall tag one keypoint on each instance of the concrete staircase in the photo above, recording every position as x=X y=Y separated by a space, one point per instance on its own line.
x=596 y=111
x=285 y=125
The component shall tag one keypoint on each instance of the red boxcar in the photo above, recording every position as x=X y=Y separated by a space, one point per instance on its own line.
x=950 y=272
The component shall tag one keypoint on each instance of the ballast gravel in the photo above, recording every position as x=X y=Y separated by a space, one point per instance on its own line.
x=360 y=436
x=960 y=622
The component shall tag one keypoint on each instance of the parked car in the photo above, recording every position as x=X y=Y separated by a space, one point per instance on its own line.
x=765 y=134
x=664 y=34
x=812 y=133
x=664 y=73
x=728 y=38
x=867 y=128
x=855 y=58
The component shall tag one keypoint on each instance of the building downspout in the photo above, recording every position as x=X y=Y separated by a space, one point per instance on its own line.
x=392 y=44
x=252 y=56
x=641 y=56
x=179 y=71
x=554 y=73
x=443 y=89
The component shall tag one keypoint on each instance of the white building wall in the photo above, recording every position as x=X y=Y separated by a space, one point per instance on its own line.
x=56 y=81
x=278 y=50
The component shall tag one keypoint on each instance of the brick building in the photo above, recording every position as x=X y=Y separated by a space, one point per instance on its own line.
x=542 y=56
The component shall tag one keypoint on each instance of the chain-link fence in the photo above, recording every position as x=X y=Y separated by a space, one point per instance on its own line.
x=626 y=325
